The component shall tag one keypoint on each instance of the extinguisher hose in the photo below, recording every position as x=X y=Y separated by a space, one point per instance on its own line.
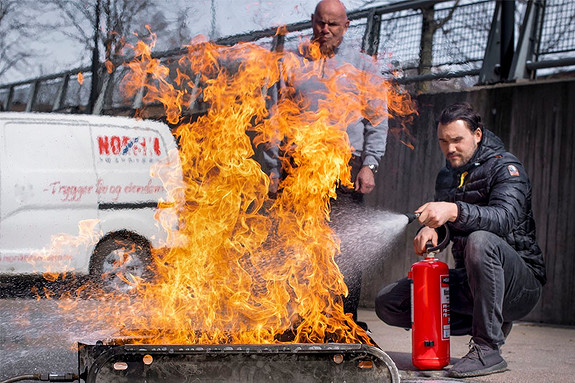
x=444 y=237
x=442 y=233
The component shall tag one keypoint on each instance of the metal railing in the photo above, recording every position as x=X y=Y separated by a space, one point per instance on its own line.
x=416 y=40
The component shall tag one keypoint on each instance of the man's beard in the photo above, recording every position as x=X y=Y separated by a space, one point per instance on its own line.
x=324 y=49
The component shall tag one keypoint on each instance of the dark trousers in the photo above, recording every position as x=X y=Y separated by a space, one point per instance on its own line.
x=494 y=287
x=352 y=273
x=348 y=202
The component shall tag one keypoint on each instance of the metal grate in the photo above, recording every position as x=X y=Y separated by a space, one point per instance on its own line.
x=558 y=29
x=464 y=37
x=460 y=40
x=400 y=37
x=331 y=362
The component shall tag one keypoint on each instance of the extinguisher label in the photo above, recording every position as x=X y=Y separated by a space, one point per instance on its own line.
x=445 y=324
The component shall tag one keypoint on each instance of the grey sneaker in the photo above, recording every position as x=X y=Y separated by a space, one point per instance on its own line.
x=480 y=360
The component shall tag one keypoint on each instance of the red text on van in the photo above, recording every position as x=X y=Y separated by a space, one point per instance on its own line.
x=129 y=146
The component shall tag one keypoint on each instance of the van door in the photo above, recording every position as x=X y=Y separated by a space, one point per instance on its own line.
x=124 y=153
x=47 y=182
x=127 y=193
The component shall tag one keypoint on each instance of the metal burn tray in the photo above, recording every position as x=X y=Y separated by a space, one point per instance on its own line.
x=331 y=362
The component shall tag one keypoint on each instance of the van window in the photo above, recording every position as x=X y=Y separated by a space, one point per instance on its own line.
x=40 y=146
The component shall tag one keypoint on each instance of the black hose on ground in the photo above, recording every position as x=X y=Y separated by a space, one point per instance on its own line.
x=44 y=377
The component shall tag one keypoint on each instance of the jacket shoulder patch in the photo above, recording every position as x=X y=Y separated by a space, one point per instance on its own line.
x=513 y=171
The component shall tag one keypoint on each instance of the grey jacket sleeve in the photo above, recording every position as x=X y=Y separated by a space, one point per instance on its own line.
x=374 y=136
x=375 y=139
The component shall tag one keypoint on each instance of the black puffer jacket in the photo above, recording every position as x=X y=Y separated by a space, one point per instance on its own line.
x=493 y=193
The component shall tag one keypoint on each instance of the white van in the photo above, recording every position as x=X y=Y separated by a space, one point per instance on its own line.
x=76 y=195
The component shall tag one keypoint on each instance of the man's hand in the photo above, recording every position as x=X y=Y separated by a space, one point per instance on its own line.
x=365 y=180
x=435 y=214
x=274 y=183
x=425 y=235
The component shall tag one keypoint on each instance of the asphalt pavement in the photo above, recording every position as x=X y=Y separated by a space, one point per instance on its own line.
x=36 y=336
x=534 y=353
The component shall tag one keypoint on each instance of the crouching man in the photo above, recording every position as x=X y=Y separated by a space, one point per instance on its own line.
x=483 y=194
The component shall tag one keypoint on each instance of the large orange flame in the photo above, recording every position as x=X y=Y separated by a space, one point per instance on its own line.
x=244 y=268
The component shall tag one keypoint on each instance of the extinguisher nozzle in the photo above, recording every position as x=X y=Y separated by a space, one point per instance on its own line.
x=412 y=217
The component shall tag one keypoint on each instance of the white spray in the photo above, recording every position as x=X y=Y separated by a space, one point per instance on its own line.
x=366 y=234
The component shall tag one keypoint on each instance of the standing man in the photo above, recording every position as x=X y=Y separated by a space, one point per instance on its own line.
x=330 y=23
x=329 y=49
x=483 y=195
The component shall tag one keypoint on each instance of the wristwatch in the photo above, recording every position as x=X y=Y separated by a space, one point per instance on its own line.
x=373 y=168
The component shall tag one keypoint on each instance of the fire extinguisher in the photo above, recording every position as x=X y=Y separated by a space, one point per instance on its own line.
x=430 y=324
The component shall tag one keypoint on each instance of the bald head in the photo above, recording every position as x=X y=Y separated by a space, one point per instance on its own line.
x=329 y=23
x=334 y=4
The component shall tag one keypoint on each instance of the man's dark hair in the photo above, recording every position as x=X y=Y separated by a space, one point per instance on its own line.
x=464 y=112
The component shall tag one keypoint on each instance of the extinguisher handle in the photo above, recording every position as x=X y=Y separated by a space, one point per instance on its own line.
x=430 y=251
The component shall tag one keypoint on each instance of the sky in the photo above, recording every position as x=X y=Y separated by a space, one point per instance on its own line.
x=258 y=14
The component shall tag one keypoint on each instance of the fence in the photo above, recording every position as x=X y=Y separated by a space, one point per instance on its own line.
x=416 y=40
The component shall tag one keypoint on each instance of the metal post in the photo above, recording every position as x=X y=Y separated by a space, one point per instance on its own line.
x=100 y=102
x=32 y=95
x=61 y=97
x=279 y=40
x=8 y=101
x=213 y=34
x=370 y=42
x=95 y=60
x=139 y=98
x=195 y=91
x=529 y=38
x=491 y=69
x=507 y=37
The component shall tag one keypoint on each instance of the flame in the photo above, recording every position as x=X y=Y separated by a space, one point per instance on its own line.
x=109 y=66
x=241 y=267
x=58 y=255
x=80 y=78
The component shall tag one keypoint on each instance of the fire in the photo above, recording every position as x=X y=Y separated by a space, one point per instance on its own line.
x=80 y=78
x=109 y=66
x=242 y=267
x=58 y=256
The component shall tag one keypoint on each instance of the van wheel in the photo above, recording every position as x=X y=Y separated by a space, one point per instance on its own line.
x=119 y=262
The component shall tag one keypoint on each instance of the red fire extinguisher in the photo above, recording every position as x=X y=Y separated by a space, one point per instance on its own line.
x=430 y=309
